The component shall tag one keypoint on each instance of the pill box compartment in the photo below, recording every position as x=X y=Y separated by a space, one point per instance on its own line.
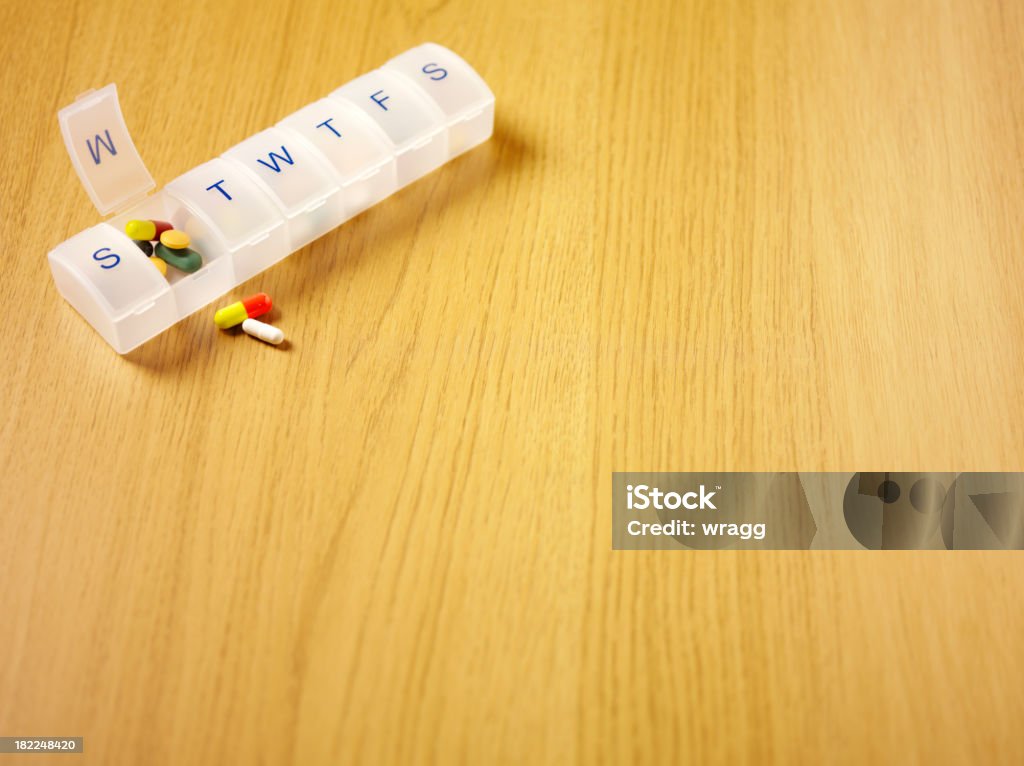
x=356 y=151
x=457 y=90
x=414 y=125
x=224 y=210
x=112 y=284
x=215 y=277
x=293 y=176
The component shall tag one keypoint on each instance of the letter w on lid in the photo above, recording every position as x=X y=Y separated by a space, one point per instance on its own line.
x=274 y=157
x=102 y=151
x=94 y=150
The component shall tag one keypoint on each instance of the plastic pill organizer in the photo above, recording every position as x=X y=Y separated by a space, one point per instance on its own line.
x=262 y=199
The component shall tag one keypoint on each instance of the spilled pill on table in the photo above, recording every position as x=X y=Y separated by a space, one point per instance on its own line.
x=248 y=308
x=265 y=332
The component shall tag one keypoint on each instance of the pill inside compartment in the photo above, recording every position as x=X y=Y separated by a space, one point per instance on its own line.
x=224 y=210
x=109 y=281
x=190 y=291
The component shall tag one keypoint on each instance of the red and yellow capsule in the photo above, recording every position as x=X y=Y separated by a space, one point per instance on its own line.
x=149 y=231
x=248 y=308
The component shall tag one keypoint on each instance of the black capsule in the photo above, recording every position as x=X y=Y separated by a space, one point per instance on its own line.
x=144 y=246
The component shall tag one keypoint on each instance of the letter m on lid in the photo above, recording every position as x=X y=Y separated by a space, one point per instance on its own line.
x=94 y=148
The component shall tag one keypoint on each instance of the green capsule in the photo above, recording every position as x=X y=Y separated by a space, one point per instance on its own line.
x=186 y=259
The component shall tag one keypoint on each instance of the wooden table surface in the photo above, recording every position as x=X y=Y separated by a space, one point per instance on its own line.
x=706 y=235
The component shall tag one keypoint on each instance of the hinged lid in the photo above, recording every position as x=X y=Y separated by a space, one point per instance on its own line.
x=102 y=150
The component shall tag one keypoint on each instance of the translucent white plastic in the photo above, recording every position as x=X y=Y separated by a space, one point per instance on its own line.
x=459 y=92
x=265 y=197
x=217 y=276
x=358 y=152
x=108 y=279
x=102 y=151
x=413 y=123
x=295 y=179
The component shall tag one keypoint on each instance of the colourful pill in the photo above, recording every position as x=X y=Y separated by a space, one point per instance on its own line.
x=184 y=260
x=265 y=332
x=161 y=266
x=147 y=230
x=145 y=246
x=248 y=308
x=174 y=239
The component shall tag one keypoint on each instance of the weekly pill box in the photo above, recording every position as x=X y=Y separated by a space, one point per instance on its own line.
x=260 y=200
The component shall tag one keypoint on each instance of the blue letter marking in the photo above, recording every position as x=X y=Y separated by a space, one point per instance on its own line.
x=379 y=101
x=216 y=186
x=98 y=258
x=436 y=69
x=327 y=124
x=94 y=151
x=274 y=157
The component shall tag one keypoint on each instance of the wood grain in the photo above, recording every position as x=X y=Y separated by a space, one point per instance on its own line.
x=719 y=235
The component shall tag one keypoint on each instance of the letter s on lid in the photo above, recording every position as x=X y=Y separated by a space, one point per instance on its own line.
x=102 y=151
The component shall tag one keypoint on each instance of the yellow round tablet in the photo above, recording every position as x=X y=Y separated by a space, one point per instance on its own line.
x=174 y=239
x=160 y=265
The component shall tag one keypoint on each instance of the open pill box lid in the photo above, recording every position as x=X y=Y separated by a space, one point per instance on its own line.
x=102 y=151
